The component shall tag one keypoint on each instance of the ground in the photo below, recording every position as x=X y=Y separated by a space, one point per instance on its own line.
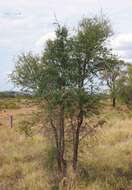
x=105 y=157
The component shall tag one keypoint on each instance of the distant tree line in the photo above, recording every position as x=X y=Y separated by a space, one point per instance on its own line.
x=13 y=94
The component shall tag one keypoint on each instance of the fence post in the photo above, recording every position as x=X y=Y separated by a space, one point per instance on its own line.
x=11 y=121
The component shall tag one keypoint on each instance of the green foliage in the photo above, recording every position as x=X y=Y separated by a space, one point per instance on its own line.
x=125 y=86
x=67 y=62
x=111 y=74
x=27 y=71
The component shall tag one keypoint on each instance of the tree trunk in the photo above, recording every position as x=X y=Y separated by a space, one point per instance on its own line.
x=57 y=145
x=114 y=101
x=62 y=142
x=59 y=135
x=75 y=150
x=76 y=136
x=59 y=162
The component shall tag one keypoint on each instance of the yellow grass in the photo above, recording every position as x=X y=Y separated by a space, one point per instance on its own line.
x=105 y=159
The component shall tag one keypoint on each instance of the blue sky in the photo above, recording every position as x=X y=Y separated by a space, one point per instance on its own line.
x=26 y=24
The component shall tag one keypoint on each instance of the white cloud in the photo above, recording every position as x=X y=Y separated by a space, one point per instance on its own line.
x=122 y=41
x=43 y=39
x=122 y=45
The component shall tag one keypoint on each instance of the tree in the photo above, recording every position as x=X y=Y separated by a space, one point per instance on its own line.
x=63 y=76
x=125 y=86
x=111 y=75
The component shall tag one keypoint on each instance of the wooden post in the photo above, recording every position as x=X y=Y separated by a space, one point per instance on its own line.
x=11 y=121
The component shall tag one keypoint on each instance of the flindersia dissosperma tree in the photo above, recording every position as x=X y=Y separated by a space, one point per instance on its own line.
x=63 y=76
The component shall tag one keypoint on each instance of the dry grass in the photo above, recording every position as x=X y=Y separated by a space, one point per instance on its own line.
x=107 y=164
x=105 y=159
x=21 y=161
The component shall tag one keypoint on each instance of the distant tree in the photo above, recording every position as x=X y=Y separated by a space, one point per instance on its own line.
x=125 y=86
x=111 y=75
